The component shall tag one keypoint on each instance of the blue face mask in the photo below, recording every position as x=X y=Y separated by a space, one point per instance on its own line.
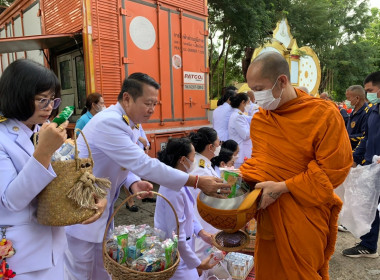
x=372 y=97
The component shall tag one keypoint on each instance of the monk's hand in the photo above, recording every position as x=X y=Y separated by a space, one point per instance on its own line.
x=271 y=192
x=142 y=186
x=213 y=186
x=100 y=204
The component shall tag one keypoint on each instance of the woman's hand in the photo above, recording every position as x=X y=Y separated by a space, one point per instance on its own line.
x=206 y=236
x=50 y=138
x=206 y=263
x=100 y=205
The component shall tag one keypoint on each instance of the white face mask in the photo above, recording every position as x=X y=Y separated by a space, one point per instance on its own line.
x=192 y=166
x=217 y=151
x=265 y=99
x=99 y=108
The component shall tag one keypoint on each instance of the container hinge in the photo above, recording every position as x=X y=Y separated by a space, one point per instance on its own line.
x=204 y=32
x=124 y=12
x=126 y=60
x=205 y=70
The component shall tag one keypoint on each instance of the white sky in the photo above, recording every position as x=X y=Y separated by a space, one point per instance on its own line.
x=374 y=3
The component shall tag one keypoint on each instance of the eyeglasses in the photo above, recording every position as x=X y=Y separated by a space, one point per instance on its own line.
x=43 y=103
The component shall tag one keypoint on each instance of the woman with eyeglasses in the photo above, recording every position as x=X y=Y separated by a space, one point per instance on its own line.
x=28 y=94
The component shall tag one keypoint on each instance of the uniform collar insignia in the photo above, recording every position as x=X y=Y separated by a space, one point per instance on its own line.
x=137 y=126
x=240 y=113
x=2 y=119
x=126 y=119
x=202 y=163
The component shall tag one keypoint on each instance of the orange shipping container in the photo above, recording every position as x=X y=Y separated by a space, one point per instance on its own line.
x=93 y=45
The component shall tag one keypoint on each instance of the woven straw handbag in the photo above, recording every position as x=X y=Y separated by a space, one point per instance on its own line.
x=122 y=272
x=70 y=198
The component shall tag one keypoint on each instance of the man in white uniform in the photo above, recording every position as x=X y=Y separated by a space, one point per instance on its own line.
x=113 y=145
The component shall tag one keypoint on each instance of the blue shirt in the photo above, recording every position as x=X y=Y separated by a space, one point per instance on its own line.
x=370 y=144
x=83 y=120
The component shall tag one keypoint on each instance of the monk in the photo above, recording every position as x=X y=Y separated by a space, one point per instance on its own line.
x=300 y=153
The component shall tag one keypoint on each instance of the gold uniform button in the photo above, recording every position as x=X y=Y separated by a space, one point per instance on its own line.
x=15 y=128
x=123 y=168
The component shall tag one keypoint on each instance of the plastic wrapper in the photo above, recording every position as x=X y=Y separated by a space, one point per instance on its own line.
x=218 y=255
x=64 y=115
x=114 y=250
x=360 y=192
x=66 y=152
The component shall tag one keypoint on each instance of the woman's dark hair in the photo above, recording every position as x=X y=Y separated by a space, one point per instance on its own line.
x=175 y=149
x=134 y=85
x=91 y=98
x=225 y=155
x=237 y=99
x=203 y=137
x=231 y=145
x=20 y=82
x=225 y=97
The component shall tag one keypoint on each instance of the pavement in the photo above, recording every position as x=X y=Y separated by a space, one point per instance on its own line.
x=341 y=268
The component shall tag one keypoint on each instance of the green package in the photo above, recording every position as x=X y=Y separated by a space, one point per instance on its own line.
x=64 y=115
x=231 y=178
x=122 y=240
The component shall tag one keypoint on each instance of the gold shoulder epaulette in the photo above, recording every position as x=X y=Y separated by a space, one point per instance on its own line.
x=126 y=119
x=137 y=126
x=2 y=119
x=366 y=109
x=202 y=163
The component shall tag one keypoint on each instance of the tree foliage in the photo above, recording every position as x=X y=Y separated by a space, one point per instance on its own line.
x=237 y=24
x=334 y=29
x=345 y=34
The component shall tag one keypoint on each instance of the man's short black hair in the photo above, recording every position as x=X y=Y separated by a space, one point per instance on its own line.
x=134 y=85
x=20 y=82
x=373 y=78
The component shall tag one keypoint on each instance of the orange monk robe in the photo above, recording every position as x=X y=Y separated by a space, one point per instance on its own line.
x=305 y=144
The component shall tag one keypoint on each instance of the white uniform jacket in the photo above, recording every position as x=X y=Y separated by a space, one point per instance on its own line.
x=115 y=153
x=220 y=118
x=22 y=178
x=189 y=226
x=239 y=130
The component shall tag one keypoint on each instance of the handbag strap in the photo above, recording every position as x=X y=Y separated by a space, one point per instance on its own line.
x=76 y=148
x=76 y=157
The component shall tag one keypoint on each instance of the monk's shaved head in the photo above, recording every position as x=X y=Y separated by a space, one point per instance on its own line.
x=271 y=65
x=324 y=95
x=357 y=90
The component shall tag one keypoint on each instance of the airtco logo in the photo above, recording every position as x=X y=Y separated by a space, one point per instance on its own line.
x=194 y=78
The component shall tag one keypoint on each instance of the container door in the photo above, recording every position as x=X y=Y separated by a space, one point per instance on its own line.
x=72 y=78
x=169 y=46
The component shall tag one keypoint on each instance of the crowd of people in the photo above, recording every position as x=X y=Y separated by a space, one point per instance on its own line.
x=295 y=147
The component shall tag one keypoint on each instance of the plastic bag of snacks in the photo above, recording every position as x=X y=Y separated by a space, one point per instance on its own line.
x=142 y=248
x=66 y=152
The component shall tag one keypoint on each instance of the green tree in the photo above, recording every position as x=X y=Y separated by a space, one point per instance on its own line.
x=334 y=29
x=6 y=3
x=235 y=25
x=372 y=35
